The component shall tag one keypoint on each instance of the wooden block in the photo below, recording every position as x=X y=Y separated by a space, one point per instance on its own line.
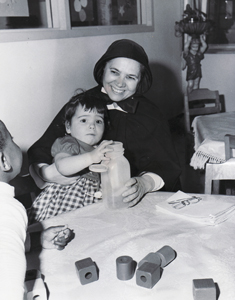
x=204 y=289
x=87 y=270
x=125 y=267
x=148 y=274
x=167 y=254
x=162 y=257
x=153 y=258
x=34 y=285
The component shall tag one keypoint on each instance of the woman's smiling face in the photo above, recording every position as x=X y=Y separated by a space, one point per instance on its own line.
x=121 y=77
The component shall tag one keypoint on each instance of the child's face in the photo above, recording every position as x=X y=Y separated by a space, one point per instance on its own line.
x=194 y=47
x=86 y=126
x=12 y=153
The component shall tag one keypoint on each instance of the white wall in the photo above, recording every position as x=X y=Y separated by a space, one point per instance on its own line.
x=38 y=77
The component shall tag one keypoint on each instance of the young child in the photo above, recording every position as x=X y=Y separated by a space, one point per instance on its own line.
x=13 y=224
x=85 y=118
x=193 y=53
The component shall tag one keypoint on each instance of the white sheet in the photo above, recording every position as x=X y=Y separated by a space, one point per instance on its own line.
x=202 y=252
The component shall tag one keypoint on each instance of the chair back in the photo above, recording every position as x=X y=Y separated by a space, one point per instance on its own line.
x=229 y=141
x=200 y=102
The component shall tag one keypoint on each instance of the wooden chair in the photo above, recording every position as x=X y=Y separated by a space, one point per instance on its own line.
x=224 y=171
x=198 y=102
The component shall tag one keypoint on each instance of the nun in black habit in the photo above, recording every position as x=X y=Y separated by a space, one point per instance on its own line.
x=123 y=76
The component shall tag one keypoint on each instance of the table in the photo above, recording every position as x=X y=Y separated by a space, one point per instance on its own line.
x=209 y=132
x=103 y=235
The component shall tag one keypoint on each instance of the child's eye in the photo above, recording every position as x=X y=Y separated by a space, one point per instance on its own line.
x=83 y=120
x=99 y=121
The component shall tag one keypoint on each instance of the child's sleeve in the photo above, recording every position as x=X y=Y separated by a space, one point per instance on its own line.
x=65 y=144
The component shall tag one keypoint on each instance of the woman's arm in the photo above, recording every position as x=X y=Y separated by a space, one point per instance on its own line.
x=40 y=151
x=39 y=154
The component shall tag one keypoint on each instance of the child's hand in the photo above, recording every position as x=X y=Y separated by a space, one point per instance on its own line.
x=51 y=237
x=63 y=238
x=99 y=153
x=189 y=38
x=202 y=37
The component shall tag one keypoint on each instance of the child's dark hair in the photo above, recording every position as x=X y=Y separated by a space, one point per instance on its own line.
x=89 y=102
x=2 y=136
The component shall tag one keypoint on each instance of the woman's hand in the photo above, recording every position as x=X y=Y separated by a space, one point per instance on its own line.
x=137 y=188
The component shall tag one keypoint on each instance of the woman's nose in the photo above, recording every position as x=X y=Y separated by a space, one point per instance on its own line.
x=120 y=81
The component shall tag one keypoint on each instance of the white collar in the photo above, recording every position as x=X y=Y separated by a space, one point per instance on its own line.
x=114 y=105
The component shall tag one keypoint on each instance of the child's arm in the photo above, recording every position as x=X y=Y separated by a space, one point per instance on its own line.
x=187 y=44
x=183 y=62
x=68 y=165
x=49 y=173
x=203 y=42
x=185 y=52
x=43 y=174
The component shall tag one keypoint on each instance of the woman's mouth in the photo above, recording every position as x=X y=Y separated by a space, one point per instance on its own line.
x=116 y=91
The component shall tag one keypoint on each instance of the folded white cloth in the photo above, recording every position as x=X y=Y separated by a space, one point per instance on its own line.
x=209 y=151
x=209 y=132
x=204 y=209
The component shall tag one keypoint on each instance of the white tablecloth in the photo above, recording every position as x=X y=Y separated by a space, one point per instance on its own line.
x=103 y=235
x=209 y=132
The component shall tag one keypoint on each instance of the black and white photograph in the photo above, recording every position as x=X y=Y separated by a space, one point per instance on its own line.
x=117 y=149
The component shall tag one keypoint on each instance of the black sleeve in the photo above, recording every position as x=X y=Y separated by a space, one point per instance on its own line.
x=40 y=151
x=155 y=149
x=147 y=142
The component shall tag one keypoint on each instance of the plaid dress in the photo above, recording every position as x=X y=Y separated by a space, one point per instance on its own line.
x=56 y=198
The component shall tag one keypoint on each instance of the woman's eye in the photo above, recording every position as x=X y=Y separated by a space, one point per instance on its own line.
x=114 y=72
x=130 y=77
